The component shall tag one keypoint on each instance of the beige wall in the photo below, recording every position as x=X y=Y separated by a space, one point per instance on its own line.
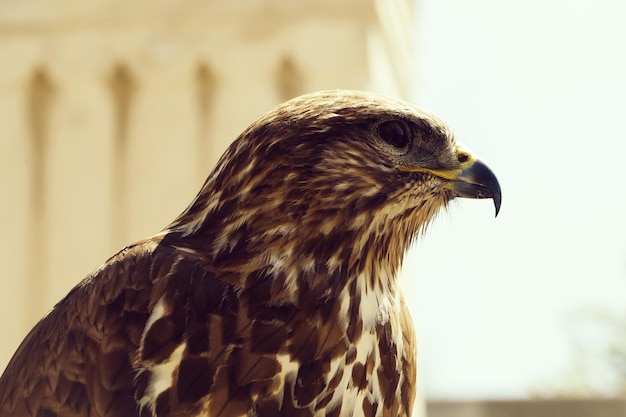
x=112 y=113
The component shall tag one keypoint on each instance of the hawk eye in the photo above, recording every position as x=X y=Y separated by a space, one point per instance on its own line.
x=394 y=133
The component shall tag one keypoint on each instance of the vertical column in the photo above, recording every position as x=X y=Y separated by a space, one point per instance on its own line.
x=122 y=87
x=205 y=85
x=289 y=79
x=39 y=104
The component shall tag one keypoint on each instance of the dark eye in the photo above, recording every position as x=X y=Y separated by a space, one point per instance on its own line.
x=394 y=133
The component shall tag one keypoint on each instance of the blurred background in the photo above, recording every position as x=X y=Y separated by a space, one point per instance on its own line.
x=112 y=113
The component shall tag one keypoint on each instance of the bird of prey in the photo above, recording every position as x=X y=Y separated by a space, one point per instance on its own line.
x=275 y=292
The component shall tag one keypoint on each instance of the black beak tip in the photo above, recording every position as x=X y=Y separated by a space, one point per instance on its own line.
x=497 y=201
x=491 y=184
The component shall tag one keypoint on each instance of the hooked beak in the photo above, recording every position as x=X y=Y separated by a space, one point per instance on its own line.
x=478 y=181
x=472 y=179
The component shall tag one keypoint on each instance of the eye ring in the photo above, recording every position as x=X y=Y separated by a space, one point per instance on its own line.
x=395 y=133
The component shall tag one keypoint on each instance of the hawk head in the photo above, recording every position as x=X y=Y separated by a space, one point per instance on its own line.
x=334 y=183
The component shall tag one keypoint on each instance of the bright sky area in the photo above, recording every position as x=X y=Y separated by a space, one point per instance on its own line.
x=537 y=89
